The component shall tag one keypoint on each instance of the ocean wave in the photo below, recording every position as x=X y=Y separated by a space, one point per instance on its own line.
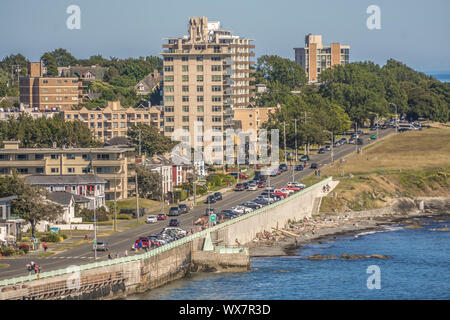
x=385 y=229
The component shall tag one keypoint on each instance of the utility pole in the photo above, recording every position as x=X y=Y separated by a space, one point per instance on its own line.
x=140 y=152
x=115 y=201
x=137 y=196
x=162 y=187
x=95 y=234
x=295 y=129
x=284 y=130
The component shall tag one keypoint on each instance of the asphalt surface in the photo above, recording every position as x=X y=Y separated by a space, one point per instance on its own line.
x=121 y=241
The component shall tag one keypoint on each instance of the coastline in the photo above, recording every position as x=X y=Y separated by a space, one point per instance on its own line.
x=326 y=227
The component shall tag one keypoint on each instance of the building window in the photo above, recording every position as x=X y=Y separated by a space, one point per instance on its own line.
x=199 y=78
x=168 y=88
x=70 y=156
x=185 y=108
x=199 y=98
x=169 y=119
x=168 y=78
x=216 y=68
x=168 y=68
x=22 y=157
x=216 y=58
x=184 y=58
x=185 y=118
x=184 y=68
x=39 y=170
x=199 y=88
x=200 y=119
x=185 y=88
x=54 y=170
x=199 y=58
x=54 y=156
x=71 y=170
x=185 y=78
x=216 y=119
x=185 y=98
x=168 y=58
x=216 y=88
x=216 y=98
x=168 y=98
x=216 y=78
x=168 y=129
x=216 y=108
x=199 y=68
x=23 y=170
x=200 y=109
x=168 y=109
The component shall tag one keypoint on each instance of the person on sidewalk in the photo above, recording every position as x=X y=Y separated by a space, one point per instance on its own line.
x=44 y=245
x=126 y=253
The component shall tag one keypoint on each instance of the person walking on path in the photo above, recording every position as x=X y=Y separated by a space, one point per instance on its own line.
x=315 y=172
x=44 y=245
x=109 y=256
x=126 y=253
x=35 y=268
x=318 y=172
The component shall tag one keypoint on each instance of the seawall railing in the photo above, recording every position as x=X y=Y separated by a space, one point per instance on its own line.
x=154 y=252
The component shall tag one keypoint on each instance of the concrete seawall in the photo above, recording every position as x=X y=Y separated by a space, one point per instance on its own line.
x=110 y=279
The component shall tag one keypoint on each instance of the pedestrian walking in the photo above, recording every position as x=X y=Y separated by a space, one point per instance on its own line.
x=109 y=256
x=126 y=253
x=318 y=172
x=35 y=268
x=315 y=172
x=39 y=269
x=45 y=246
x=117 y=255
x=29 y=268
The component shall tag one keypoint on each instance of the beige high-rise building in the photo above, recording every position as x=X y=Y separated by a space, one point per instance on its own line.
x=315 y=57
x=206 y=75
x=48 y=93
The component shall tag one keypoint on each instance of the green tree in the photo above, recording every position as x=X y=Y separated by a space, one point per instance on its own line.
x=151 y=140
x=149 y=183
x=285 y=71
x=50 y=63
x=63 y=57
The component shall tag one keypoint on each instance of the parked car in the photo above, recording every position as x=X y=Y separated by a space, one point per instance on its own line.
x=100 y=246
x=304 y=158
x=218 y=195
x=327 y=147
x=174 y=223
x=245 y=184
x=252 y=187
x=142 y=242
x=283 y=167
x=314 y=166
x=299 y=167
x=210 y=199
x=161 y=216
x=151 y=219
x=174 y=211
x=239 y=187
x=343 y=140
x=209 y=211
x=252 y=205
x=261 y=184
x=321 y=150
x=184 y=208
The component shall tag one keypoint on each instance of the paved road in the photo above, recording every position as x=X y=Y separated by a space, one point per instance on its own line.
x=122 y=241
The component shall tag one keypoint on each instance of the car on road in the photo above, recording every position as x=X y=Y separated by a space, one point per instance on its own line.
x=100 y=246
x=151 y=219
x=283 y=167
x=327 y=147
x=252 y=187
x=261 y=184
x=184 y=208
x=174 y=230
x=161 y=216
x=218 y=196
x=296 y=184
x=142 y=242
x=304 y=158
x=253 y=205
x=209 y=211
x=373 y=137
x=321 y=150
x=241 y=209
x=174 y=222
x=210 y=199
x=245 y=184
x=343 y=140
x=174 y=211
x=314 y=166
x=239 y=187
x=299 y=167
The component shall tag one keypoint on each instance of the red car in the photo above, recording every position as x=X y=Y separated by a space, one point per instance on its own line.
x=143 y=242
x=239 y=187
x=279 y=192
x=161 y=216
x=261 y=185
x=293 y=188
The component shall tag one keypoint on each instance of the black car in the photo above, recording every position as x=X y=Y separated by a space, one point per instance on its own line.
x=314 y=165
x=343 y=140
x=283 y=167
x=218 y=195
x=174 y=223
x=210 y=199
x=245 y=184
x=184 y=208
x=321 y=150
x=252 y=205
x=299 y=167
x=174 y=211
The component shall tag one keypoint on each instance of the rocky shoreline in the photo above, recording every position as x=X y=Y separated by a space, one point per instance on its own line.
x=329 y=226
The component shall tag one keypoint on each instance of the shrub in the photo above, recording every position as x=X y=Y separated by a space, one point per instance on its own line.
x=124 y=216
x=7 y=251
x=24 y=247
x=64 y=236
x=88 y=214
x=51 y=237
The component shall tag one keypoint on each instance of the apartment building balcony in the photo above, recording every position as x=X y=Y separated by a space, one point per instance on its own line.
x=107 y=163
x=22 y=163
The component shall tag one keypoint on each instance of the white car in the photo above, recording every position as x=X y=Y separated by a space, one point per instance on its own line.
x=286 y=190
x=296 y=184
x=241 y=210
x=178 y=230
x=252 y=187
x=151 y=219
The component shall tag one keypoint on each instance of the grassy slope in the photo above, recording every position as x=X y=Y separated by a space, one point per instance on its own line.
x=410 y=164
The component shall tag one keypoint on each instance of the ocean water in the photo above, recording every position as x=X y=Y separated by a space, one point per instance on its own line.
x=443 y=76
x=419 y=268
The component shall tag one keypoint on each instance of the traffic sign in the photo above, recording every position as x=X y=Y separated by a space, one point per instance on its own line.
x=212 y=218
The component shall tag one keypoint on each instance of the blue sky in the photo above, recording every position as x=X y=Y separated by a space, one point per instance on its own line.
x=414 y=32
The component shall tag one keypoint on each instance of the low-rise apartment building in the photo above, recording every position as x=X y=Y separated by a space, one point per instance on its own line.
x=110 y=163
x=113 y=120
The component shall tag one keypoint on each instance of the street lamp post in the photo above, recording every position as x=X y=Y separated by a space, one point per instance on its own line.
x=95 y=234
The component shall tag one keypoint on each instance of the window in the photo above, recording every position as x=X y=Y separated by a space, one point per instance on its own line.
x=199 y=98
x=199 y=88
x=99 y=124
x=70 y=156
x=186 y=128
x=86 y=170
x=200 y=119
x=122 y=116
x=216 y=88
x=168 y=98
x=115 y=116
x=216 y=138
x=217 y=129
x=23 y=170
x=168 y=88
x=216 y=58
x=216 y=108
x=168 y=68
x=200 y=109
x=185 y=108
x=185 y=118
x=22 y=157
x=199 y=58
x=168 y=58
x=86 y=157
x=168 y=129
x=200 y=68
x=103 y=156
x=168 y=78
x=216 y=119
x=199 y=78
x=54 y=156
x=54 y=170
x=185 y=98
x=185 y=78
x=71 y=170
x=168 y=109
x=39 y=170
x=216 y=68
x=169 y=119
x=138 y=116
x=216 y=98
x=184 y=68
x=216 y=78
x=184 y=58
x=185 y=88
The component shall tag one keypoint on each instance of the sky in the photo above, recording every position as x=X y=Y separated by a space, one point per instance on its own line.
x=412 y=31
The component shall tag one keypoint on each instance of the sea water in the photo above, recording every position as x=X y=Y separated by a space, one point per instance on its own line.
x=418 y=268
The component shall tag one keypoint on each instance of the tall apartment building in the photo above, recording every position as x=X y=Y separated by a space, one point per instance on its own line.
x=48 y=93
x=315 y=57
x=113 y=120
x=206 y=75
x=109 y=163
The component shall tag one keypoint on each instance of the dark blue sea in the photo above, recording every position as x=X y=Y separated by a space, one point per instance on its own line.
x=443 y=76
x=419 y=268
